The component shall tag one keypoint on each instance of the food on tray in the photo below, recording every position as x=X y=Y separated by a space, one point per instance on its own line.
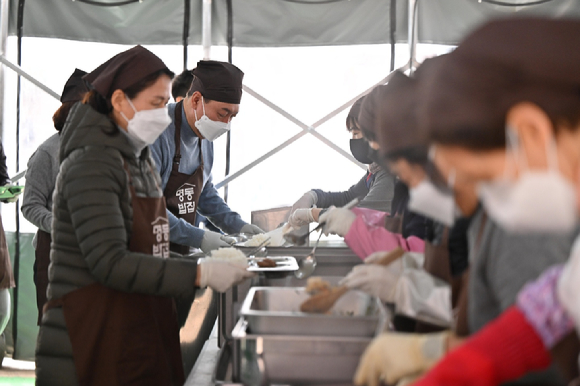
x=257 y=240
x=276 y=237
x=316 y=284
x=266 y=263
x=230 y=255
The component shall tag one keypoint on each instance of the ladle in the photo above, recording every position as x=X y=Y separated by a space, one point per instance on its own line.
x=307 y=265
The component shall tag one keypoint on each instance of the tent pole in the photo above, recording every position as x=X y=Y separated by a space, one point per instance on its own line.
x=412 y=33
x=230 y=54
x=4 y=16
x=185 y=37
x=206 y=29
x=393 y=31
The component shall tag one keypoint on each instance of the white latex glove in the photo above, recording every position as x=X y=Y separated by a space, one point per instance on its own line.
x=393 y=356
x=308 y=200
x=408 y=260
x=375 y=280
x=337 y=221
x=301 y=217
x=251 y=229
x=221 y=275
x=212 y=240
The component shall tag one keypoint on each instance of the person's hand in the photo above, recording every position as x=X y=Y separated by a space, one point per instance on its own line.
x=213 y=240
x=221 y=275
x=393 y=356
x=301 y=217
x=337 y=221
x=308 y=200
x=505 y=349
x=375 y=280
x=251 y=229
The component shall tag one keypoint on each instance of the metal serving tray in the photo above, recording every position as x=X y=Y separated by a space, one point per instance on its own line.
x=276 y=310
x=283 y=264
x=296 y=360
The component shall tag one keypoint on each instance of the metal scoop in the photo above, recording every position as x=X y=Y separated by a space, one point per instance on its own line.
x=300 y=239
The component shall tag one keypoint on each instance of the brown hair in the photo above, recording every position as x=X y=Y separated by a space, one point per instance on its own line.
x=561 y=105
x=60 y=115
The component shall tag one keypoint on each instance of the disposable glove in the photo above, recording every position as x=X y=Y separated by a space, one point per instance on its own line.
x=375 y=280
x=504 y=350
x=221 y=275
x=301 y=217
x=337 y=221
x=212 y=240
x=308 y=200
x=393 y=356
x=409 y=260
x=251 y=229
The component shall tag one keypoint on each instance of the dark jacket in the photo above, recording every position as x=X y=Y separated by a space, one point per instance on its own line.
x=412 y=224
x=91 y=230
x=376 y=189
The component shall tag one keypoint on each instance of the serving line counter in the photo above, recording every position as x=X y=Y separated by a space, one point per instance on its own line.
x=334 y=257
x=250 y=354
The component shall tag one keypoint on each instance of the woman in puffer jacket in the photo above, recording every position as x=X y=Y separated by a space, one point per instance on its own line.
x=110 y=317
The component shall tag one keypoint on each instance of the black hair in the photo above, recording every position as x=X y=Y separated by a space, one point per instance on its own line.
x=181 y=84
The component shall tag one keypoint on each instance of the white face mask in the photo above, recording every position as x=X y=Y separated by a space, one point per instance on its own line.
x=147 y=125
x=429 y=201
x=210 y=130
x=538 y=201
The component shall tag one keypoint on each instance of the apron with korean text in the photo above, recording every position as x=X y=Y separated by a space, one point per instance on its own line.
x=120 y=338
x=183 y=190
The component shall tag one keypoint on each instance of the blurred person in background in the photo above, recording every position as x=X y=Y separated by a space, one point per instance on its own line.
x=41 y=175
x=110 y=318
x=6 y=274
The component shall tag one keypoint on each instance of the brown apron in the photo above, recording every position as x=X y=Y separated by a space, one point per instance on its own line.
x=41 y=264
x=120 y=338
x=183 y=190
x=436 y=264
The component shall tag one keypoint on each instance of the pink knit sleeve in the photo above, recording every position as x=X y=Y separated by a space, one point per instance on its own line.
x=370 y=216
x=365 y=239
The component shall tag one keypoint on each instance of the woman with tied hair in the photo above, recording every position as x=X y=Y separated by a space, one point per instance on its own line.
x=41 y=175
x=110 y=317
x=513 y=85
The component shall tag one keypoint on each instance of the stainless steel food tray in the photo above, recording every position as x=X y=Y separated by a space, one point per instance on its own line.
x=276 y=310
x=296 y=360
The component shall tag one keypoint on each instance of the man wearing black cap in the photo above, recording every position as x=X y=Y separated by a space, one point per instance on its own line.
x=184 y=157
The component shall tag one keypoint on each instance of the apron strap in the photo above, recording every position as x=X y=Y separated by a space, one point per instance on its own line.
x=177 y=118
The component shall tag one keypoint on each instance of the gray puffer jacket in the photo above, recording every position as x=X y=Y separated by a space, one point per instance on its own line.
x=91 y=230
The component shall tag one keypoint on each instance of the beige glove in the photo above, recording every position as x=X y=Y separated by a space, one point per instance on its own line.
x=337 y=221
x=393 y=356
x=301 y=217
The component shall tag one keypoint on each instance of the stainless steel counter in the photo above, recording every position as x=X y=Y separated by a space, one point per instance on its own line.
x=334 y=259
